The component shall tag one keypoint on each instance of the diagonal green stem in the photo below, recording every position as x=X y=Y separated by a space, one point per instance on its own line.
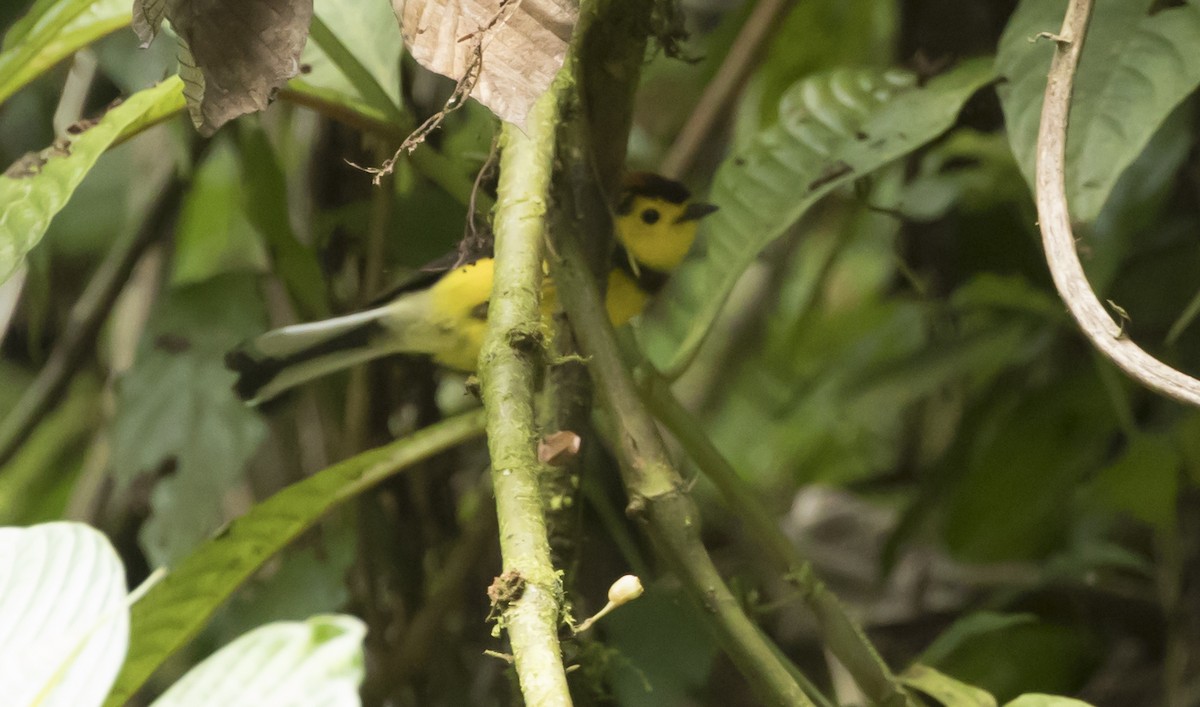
x=358 y=75
x=843 y=636
x=657 y=493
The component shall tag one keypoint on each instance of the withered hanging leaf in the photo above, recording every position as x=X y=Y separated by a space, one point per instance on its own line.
x=233 y=54
x=147 y=18
x=514 y=46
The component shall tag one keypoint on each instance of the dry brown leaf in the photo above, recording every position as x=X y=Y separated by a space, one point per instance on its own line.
x=558 y=447
x=519 y=45
x=233 y=54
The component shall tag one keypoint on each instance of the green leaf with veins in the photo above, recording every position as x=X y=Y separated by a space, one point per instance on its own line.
x=1134 y=70
x=176 y=608
x=836 y=33
x=313 y=663
x=833 y=128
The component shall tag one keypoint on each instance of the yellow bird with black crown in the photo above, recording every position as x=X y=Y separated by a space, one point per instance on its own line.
x=444 y=315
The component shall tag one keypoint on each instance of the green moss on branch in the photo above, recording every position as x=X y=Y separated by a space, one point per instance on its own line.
x=507 y=371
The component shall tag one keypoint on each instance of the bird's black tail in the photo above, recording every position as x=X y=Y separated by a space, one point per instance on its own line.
x=281 y=359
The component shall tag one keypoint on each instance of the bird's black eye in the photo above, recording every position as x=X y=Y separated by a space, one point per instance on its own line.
x=650 y=216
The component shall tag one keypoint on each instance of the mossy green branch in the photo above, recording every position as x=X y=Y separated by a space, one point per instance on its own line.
x=657 y=495
x=508 y=364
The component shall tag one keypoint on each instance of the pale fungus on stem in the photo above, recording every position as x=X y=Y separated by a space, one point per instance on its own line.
x=622 y=591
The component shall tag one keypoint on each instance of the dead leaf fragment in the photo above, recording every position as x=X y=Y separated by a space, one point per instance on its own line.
x=504 y=590
x=233 y=54
x=557 y=447
x=517 y=46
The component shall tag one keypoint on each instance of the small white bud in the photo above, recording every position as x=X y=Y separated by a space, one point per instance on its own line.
x=625 y=590
x=622 y=591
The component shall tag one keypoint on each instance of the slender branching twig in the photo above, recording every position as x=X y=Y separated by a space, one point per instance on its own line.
x=843 y=637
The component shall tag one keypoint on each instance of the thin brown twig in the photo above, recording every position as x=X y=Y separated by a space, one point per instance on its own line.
x=358 y=393
x=458 y=98
x=1059 y=240
x=472 y=240
x=730 y=78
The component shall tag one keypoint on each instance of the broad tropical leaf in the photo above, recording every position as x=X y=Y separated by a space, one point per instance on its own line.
x=313 y=663
x=1135 y=69
x=833 y=128
x=65 y=624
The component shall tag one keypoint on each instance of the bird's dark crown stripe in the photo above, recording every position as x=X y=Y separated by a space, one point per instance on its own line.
x=651 y=185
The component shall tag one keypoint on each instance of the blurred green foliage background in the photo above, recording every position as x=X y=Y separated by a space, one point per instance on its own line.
x=895 y=375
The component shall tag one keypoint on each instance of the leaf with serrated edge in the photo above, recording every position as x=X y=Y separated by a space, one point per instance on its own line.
x=38 y=186
x=833 y=128
x=1135 y=69
x=176 y=608
x=522 y=44
x=65 y=624
x=313 y=663
x=176 y=406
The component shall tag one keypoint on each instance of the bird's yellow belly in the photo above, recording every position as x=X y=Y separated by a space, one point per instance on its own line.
x=460 y=303
x=624 y=299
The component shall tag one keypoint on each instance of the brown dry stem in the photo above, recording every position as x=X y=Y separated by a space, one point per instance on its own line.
x=724 y=87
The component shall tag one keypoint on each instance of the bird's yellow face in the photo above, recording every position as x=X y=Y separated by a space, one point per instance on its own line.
x=656 y=232
x=656 y=220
